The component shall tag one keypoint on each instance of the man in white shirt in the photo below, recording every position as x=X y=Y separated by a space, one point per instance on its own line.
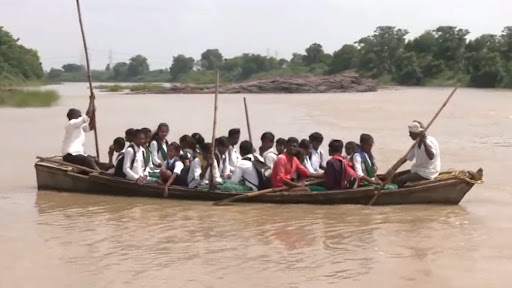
x=267 y=151
x=233 y=155
x=134 y=167
x=74 y=137
x=426 y=157
x=245 y=170
x=317 y=155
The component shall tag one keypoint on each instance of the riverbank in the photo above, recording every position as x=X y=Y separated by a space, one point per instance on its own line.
x=21 y=98
x=296 y=84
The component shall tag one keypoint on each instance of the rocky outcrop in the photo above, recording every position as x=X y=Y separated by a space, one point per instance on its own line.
x=296 y=84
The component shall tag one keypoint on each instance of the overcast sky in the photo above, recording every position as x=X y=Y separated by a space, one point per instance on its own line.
x=160 y=29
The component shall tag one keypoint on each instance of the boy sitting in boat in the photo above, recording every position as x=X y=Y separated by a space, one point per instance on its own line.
x=221 y=147
x=233 y=155
x=280 y=146
x=245 y=177
x=267 y=149
x=317 y=155
x=117 y=147
x=133 y=167
x=170 y=174
x=199 y=174
x=364 y=162
x=338 y=173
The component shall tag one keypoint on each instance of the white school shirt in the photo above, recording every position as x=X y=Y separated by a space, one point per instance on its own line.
x=194 y=175
x=138 y=165
x=422 y=165
x=112 y=170
x=269 y=157
x=246 y=171
x=224 y=168
x=308 y=165
x=359 y=165
x=177 y=167
x=156 y=156
x=74 y=136
x=317 y=159
x=233 y=157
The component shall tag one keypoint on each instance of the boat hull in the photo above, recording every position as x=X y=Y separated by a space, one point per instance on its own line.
x=446 y=191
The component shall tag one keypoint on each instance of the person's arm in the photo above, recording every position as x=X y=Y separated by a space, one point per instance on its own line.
x=237 y=175
x=429 y=149
x=270 y=159
x=128 y=157
x=153 y=148
x=304 y=172
x=79 y=122
x=358 y=167
x=322 y=166
x=195 y=166
x=279 y=167
x=329 y=172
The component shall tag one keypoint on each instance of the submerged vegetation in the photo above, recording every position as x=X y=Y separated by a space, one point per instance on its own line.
x=20 y=67
x=438 y=57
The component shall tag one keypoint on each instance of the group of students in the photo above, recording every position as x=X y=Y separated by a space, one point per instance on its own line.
x=147 y=157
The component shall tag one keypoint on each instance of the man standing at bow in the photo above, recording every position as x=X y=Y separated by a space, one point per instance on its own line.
x=426 y=157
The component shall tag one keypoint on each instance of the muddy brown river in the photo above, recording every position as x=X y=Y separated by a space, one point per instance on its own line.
x=50 y=239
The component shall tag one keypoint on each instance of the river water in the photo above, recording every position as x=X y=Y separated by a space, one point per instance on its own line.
x=50 y=239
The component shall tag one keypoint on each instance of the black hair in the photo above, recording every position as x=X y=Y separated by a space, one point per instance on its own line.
x=137 y=132
x=233 y=132
x=304 y=144
x=175 y=146
x=281 y=141
x=184 y=156
x=206 y=148
x=267 y=136
x=246 y=148
x=336 y=146
x=316 y=137
x=160 y=126
x=198 y=138
x=352 y=144
x=188 y=142
x=146 y=130
x=129 y=132
x=365 y=138
x=222 y=141
x=292 y=140
x=71 y=112
x=119 y=141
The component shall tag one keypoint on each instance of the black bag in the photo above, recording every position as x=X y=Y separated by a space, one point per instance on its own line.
x=263 y=171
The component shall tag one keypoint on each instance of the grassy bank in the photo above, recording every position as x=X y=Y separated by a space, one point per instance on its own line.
x=28 y=98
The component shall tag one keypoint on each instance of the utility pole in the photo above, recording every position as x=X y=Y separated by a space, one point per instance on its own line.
x=110 y=58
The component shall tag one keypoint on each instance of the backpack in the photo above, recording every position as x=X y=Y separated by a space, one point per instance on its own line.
x=118 y=170
x=263 y=171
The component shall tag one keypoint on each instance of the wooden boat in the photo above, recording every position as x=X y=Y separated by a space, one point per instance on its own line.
x=447 y=190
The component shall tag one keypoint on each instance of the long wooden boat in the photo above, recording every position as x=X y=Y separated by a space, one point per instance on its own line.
x=447 y=190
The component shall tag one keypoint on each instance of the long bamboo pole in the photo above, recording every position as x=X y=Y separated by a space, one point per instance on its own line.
x=92 y=97
x=247 y=120
x=215 y=107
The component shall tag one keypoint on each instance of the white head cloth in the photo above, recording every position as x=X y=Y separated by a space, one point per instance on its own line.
x=415 y=127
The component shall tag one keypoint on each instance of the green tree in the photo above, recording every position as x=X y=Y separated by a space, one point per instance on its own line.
x=450 y=46
x=137 y=66
x=407 y=70
x=483 y=61
x=120 y=71
x=73 y=68
x=313 y=54
x=181 y=64
x=344 y=59
x=424 y=47
x=55 y=74
x=211 y=59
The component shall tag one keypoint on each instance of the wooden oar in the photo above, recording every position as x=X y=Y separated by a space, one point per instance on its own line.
x=391 y=172
x=92 y=97
x=60 y=162
x=247 y=120
x=215 y=107
x=262 y=192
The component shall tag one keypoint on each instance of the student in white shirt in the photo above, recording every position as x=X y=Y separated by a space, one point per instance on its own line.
x=317 y=155
x=74 y=137
x=117 y=147
x=306 y=148
x=134 y=168
x=170 y=174
x=364 y=162
x=244 y=171
x=426 y=157
x=128 y=136
x=222 y=147
x=199 y=174
x=158 y=145
x=267 y=151
x=233 y=155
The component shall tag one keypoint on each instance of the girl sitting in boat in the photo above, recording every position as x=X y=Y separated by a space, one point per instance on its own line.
x=199 y=174
x=158 y=145
x=170 y=174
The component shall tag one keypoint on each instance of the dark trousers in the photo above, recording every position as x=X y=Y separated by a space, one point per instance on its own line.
x=80 y=160
x=407 y=178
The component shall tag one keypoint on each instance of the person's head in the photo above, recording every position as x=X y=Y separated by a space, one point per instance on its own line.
x=198 y=138
x=234 y=136
x=222 y=145
x=300 y=155
x=335 y=147
x=147 y=134
x=246 y=148
x=73 y=114
x=416 y=128
x=138 y=138
x=280 y=145
x=305 y=146
x=366 y=142
x=316 y=140
x=186 y=142
x=291 y=146
x=185 y=158
x=206 y=150
x=350 y=148
x=128 y=135
x=119 y=144
x=173 y=150
x=267 y=140
x=161 y=132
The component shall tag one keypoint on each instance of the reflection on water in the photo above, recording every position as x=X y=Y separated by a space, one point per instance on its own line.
x=69 y=240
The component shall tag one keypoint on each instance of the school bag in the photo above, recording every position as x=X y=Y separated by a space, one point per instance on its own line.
x=263 y=171
x=118 y=170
